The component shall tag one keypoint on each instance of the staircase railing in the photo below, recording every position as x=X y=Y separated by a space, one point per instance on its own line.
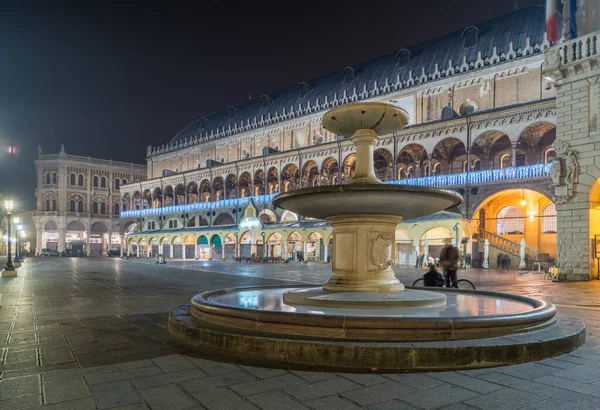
x=506 y=245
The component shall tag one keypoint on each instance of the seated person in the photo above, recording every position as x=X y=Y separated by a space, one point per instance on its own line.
x=433 y=277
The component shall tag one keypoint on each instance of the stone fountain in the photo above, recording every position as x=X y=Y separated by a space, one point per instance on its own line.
x=363 y=318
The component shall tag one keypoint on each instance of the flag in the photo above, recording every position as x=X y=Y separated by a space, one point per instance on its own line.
x=572 y=19
x=554 y=20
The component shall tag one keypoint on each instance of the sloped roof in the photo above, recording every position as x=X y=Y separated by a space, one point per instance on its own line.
x=378 y=76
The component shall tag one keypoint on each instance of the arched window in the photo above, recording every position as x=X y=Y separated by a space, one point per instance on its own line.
x=80 y=180
x=73 y=179
x=348 y=75
x=103 y=208
x=95 y=181
x=549 y=219
x=124 y=207
x=437 y=169
x=95 y=208
x=72 y=205
x=48 y=178
x=476 y=165
x=103 y=182
x=403 y=57
x=510 y=221
x=54 y=204
x=549 y=155
x=117 y=209
x=410 y=172
x=80 y=206
x=124 y=182
x=54 y=177
x=505 y=161
x=471 y=36
x=47 y=204
x=117 y=184
x=401 y=174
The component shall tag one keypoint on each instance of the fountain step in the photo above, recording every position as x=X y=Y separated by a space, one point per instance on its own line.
x=563 y=336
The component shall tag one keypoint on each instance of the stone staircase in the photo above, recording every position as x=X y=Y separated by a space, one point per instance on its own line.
x=499 y=244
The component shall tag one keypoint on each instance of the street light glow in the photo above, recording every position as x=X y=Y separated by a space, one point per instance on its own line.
x=8 y=204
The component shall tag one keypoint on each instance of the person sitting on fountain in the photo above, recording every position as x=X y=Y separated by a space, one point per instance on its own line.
x=449 y=258
x=433 y=277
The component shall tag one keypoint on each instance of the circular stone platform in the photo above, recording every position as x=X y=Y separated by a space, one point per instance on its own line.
x=363 y=300
x=473 y=329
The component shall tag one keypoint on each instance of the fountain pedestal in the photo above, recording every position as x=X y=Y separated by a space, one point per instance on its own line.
x=362 y=253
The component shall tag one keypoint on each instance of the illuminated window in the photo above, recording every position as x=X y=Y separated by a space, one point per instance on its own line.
x=549 y=219
x=510 y=221
x=505 y=161
x=549 y=155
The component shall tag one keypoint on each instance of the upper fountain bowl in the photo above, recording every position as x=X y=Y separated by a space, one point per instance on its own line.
x=383 y=118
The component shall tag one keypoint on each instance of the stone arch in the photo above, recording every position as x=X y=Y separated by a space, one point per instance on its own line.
x=536 y=140
x=51 y=225
x=259 y=182
x=329 y=171
x=157 y=196
x=205 y=191
x=266 y=216
x=99 y=227
x=451 y=154
x=383 y=161
x=273 y=180
x=75 y=226
x=218 y=188
x=492 y=147
x=289 y=177
x=231 y=186
x=168 y=196
x=412 y=159
x=348 y=167
x=192 y=192
x=245 y=184
x=224 y=219
x=289 y=216
x=310 y=174
x=274 y=245
x=179 y=192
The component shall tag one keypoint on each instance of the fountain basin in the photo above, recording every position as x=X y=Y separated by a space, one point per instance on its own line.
x=376 y=199
x=473 y=329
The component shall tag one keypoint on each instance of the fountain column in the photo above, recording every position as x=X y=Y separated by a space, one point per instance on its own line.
x=364 y=172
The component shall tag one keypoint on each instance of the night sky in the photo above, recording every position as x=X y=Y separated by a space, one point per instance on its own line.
x=106 y=81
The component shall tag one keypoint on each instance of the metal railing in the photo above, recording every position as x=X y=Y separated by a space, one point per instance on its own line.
x=506 y=245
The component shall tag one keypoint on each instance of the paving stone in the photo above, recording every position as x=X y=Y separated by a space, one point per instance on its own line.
x=167 y=397
x=264 y=372
x=109 y=395
x=274 y=383
x=193 y=386
x=568 y=401
x=442 y=396
x=80 y=404
x=569 y=384
x=313 y=376
x=399 y=405
x=505 y=399
x=417 y=381
x=556 y=362
x=222 y=399
x=23 y=402
x=332 y=403
x=50 y=356
x=169 y=378
x=122 y=375
x=22 y=338
x=93 y=359
x=26 y=357
x=173 y=363
x=20 y=386
x=364 y=379
x=136 y=364
x=529 y=371
x=521 y=384
x=309 y=391
x=585 y=374
x=378 y=394
x=275 y=400
x=471 y=383
x=60 y=375
x=212 y=367
x=65 y=390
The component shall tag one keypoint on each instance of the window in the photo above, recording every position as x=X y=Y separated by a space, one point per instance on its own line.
x=54 y=204
x=103 y=208
x=510 y=221
x=116 y=209
x=80 y=206
x=348 y=75
x=549 y=155
x=505 y=161
x=437 y=169
x=173 y=224
x=151 y=225
x=549 y=219
x=403 y=57
x=103 y=182
x=47 y=204
x=124 y=207
x=476 y=165
x=468 y=107
x=95 y=208
x=54 y=177
x=124 y=182
x=72 y=205
x=95 y=181
x=73 y=178
x=48 y=178
x=471 y=36
x=117 y=183
x=303 y=89
x=80 y=180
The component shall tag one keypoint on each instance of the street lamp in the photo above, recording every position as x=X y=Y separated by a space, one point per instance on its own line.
x=264 y=244
x=9 y=269
x=18 y=227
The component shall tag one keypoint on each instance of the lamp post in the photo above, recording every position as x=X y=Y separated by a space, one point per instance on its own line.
x=264 y=244
x=9 y=269
x=16 y=220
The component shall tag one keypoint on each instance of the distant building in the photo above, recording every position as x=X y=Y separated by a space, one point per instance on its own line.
x=78 y=202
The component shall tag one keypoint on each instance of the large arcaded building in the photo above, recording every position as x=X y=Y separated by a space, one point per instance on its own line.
x=483 y=121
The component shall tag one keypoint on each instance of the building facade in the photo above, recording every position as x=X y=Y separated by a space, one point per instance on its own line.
x=482 y=122
x=78 y=202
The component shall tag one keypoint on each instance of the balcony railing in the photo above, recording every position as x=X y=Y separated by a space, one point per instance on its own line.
x=480 y=177
x=48 y=186
x=199 y=206
x=98 y=189
x=79 y=214
x=45 y=213
x=579 y=48
x=472 y=178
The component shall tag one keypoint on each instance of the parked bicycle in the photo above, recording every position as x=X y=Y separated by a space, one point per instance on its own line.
x=460 y=284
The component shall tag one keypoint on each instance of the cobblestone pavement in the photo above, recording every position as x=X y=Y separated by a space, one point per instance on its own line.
x=91 y=334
